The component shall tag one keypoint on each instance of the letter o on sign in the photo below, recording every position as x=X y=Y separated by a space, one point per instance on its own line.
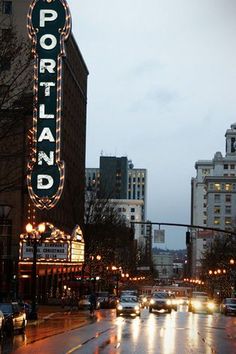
x=53 y=41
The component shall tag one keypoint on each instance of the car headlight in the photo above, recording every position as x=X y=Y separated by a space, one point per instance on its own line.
x=152 y=302
x=197 y=304
x=119 y=307
x=211 y=305
x=168 y=302
x=144 y=299
x=136 y=308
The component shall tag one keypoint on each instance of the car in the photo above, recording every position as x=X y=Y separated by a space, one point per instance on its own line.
x=84 y=303
x=128 y=305
x=14 y=317
x=228 y=306
x=1 y=324
x=161 y=301
x=112 y=301
x=103 y=299
x=201 y=303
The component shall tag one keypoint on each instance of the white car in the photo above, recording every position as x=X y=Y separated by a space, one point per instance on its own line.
x=128 y=305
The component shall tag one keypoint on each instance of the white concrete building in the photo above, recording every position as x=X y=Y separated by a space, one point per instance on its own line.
x=213 y=202
x=130 y=210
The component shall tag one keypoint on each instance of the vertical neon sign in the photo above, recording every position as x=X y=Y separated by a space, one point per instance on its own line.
x=49 y=25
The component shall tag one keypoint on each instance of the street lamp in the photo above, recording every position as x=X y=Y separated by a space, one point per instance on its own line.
x=34 y=235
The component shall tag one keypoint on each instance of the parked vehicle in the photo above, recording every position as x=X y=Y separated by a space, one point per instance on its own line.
x=1 y=324
x=161 y=301
x=228 y=306
x=14 y=317
x=128 y=305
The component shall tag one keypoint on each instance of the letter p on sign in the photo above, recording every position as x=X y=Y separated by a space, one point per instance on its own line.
x=47 y=15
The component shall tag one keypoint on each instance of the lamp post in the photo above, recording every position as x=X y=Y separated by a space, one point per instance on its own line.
x=34 y=236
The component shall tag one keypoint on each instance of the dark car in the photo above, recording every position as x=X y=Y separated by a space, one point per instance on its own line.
x=14 y=317
x=228 y=306
x=161 y=301
x=103 y=299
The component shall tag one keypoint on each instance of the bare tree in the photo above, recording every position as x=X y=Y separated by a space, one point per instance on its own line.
x=15 y=106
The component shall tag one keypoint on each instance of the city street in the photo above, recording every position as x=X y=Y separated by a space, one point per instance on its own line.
x=180 y=332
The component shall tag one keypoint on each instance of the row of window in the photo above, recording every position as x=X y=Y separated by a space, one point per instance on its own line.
x=231 y=167
x=218 y=198
x=217 y=209
x=223 y=186
x=132 y=210
x=228 y=220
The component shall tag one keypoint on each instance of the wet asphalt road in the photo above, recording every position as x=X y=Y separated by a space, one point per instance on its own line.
x=176 y=333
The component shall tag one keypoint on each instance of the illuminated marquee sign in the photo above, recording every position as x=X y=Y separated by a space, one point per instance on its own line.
x=49 y=24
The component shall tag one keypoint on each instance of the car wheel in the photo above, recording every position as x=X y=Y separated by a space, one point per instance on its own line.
x=150 y=309
x=169 y=310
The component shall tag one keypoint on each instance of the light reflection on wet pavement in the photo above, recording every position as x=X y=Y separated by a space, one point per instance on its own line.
x=176 y=333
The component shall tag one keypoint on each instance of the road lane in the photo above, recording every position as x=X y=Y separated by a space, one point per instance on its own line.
x=176 y=333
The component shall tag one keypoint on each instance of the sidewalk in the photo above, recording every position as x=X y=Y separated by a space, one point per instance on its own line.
x=46 y=312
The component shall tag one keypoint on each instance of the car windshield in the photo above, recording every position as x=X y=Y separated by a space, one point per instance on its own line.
x=129 y=299
x=201 y=298
x=161 y=295
x=6 y=308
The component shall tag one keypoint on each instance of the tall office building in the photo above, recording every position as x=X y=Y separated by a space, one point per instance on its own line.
x=213 y=202
x=117 y=179
x=16 y=208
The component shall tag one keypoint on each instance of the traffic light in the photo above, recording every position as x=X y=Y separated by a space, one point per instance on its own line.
x=187 y=237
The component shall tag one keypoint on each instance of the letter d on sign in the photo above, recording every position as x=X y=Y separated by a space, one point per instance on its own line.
x=41 y=182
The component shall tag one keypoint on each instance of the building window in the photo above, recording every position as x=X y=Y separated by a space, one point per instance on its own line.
x=217 y=186
x=228 y=221
x=228 y=187
x=232 y=167
x=132 y=217
x=227 y=209
x=228 y=198
x=216 y=220
x=7 y=7
x=132 y=210
x=217 y=209
x=205 y=171
x=217 y=198
x=225 y=167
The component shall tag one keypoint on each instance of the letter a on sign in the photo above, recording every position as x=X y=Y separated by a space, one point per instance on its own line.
x=49 y=24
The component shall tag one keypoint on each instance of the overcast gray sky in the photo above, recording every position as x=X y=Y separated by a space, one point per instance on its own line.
x=161 y=90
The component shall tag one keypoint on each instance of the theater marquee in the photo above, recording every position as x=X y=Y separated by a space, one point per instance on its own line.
x=49 y=25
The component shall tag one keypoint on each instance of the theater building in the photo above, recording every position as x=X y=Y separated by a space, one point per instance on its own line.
x=61 y=258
